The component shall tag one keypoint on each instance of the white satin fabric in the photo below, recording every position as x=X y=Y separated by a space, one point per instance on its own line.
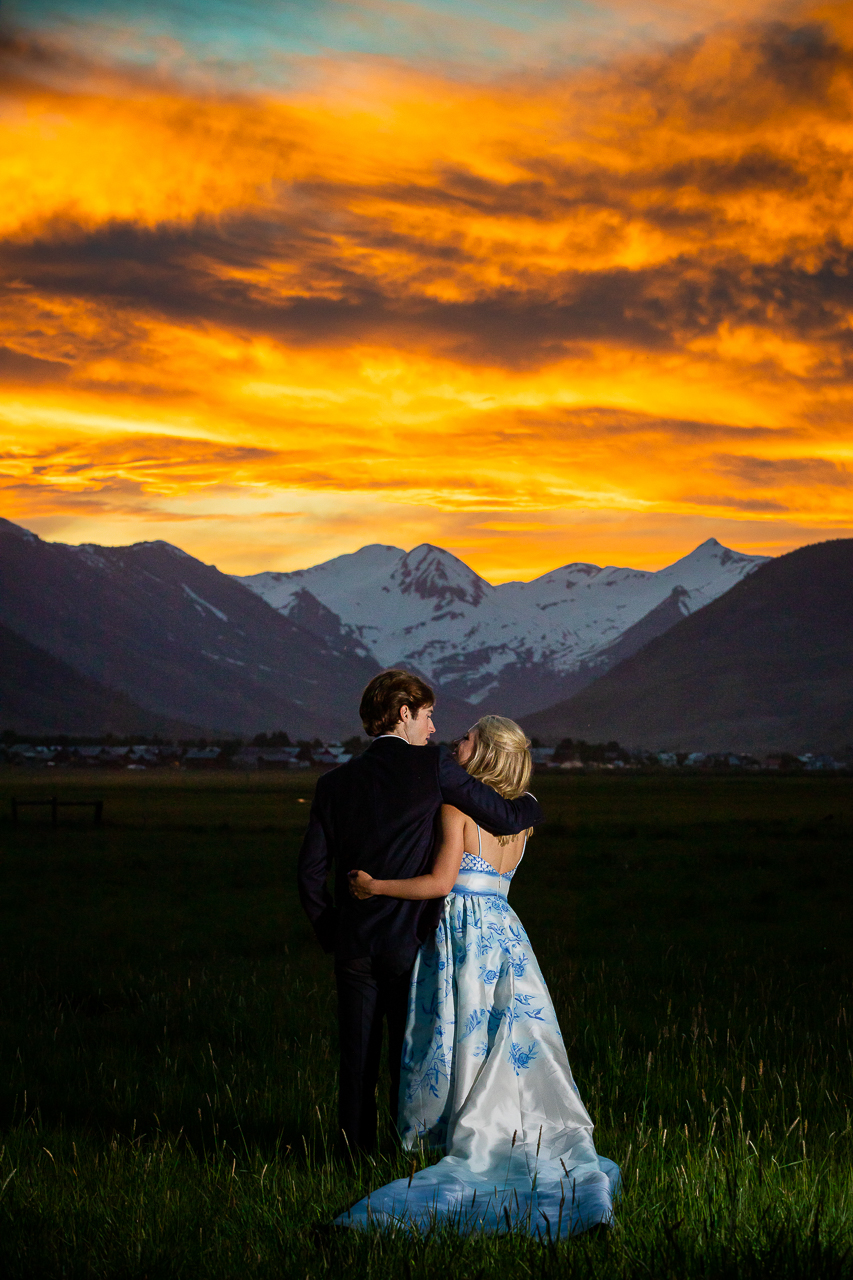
x=486 y=1078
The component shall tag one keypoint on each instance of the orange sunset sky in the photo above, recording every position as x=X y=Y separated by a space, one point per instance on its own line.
x=536 y=282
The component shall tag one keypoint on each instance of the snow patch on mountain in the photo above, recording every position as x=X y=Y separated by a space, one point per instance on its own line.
x=223 y=617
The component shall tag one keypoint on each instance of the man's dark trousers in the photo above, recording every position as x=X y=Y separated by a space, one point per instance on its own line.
x=371 y=990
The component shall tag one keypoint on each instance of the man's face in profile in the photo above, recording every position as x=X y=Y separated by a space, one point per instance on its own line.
x=420 y=728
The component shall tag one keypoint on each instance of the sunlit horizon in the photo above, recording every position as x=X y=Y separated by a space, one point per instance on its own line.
x=408 y=550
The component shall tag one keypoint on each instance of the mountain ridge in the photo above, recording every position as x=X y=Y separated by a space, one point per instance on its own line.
x=504 y=644
x=238 y=655
x=768 y=666
x=178 y=637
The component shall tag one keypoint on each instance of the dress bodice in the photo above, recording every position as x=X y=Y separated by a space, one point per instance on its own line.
x=477 y=876
x=473 y=862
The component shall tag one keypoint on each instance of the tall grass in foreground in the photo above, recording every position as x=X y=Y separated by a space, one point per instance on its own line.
x=168 y=1050
x=732 y=1128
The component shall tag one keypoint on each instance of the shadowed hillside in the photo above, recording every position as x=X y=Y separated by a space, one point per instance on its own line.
x=40 y=694
x=178 y=637
x=768 y=666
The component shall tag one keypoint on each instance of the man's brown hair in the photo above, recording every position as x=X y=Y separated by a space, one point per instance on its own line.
x=387 y=694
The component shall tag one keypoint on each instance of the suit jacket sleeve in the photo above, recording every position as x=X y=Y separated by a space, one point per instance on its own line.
x=315 y=860
x=483 y=804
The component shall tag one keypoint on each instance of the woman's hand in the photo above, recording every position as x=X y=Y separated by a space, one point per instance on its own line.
x=360 y=884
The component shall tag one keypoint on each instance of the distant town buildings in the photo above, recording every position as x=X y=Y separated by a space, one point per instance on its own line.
x=611 y=756
x=224 y=755
x=272 y=752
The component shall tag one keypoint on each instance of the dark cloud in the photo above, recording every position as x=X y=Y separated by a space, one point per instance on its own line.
x=774 y=472
x=726 y=501
x=757 y=168
x=556 y=188
x=181 y=274
x=609 y=422
x=800 y=59
x=15 y=366
x=738 y=77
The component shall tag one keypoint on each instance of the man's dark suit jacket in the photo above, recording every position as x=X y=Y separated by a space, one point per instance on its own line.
x=377 y=813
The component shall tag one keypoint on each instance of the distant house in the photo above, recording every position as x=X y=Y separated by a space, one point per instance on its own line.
x=279 y=758
x=329 y=759
x=268 y=758
x=203 y=758
x=822 y=762
x=26 y=754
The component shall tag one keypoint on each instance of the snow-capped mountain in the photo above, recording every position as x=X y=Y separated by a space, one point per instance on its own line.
x=520 y=646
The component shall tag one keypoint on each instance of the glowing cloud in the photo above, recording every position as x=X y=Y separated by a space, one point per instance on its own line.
x=524 y=316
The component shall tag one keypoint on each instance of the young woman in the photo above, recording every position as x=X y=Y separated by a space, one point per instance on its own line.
x=485 y=1076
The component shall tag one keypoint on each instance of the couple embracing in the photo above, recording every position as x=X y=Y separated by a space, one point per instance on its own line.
x=423 y=845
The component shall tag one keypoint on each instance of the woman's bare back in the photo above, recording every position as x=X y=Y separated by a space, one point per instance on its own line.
x=503 y=857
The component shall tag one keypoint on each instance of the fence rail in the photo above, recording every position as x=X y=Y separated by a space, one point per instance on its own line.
x=54 y=804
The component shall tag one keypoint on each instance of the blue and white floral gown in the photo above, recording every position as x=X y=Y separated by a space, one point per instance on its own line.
x=486 y=1078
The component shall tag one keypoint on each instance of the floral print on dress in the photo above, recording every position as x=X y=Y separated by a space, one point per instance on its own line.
x=477 y=974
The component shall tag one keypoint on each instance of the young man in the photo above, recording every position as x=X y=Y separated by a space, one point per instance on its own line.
x=377 y=812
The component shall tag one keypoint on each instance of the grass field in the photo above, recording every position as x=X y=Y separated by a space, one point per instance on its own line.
x=167 y=1039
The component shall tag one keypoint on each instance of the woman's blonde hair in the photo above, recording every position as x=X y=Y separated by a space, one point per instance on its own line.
x=501 y=757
